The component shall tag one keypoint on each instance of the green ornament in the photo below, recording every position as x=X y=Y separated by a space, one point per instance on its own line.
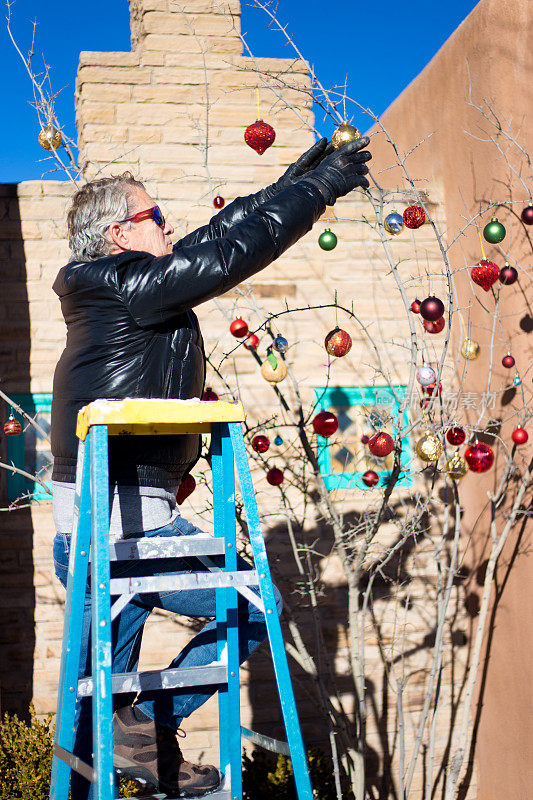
x=494 y=232
x=272 y=359
x=327 y=240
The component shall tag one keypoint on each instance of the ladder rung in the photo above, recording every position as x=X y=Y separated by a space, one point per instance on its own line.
x=218 y=794
x=266 y=742
x=166 y=547
x=191 y=580
x=75 y=763
x=216 y=672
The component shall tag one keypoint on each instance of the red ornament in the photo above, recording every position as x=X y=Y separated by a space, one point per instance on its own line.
x=325 y=424
x=238 y=328
x=479 y=457
x=381 y=444
x=431 y=308
x=414 y=216
x=485 y=273
x=365 y=439
x=508 y=361
x=370 y=478
x=260 y=443
x=456 y=436
x=430 y=389
x=519 y=435
x=219 y=202
x=259 y=136
x=508 y=275
x=415 y=306
x=251 y=342
x=209 y=395
x=12 y=426
x=435 y=326
x=527 y=215
x=338 y=342
x=187 y=487
x=275 y=476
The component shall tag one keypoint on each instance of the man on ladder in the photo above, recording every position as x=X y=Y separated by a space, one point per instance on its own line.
x=127 y=298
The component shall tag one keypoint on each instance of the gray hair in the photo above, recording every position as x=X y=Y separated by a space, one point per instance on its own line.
x=94 y=208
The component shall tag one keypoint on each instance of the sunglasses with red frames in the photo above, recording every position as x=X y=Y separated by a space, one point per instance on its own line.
x=150 y=213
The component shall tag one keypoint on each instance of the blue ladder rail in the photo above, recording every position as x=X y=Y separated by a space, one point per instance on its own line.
x=91 y=550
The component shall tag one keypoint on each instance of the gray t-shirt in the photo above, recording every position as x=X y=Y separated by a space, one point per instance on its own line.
x=133 y=509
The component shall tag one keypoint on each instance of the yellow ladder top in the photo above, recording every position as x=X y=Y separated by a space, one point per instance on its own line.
x=150 y=417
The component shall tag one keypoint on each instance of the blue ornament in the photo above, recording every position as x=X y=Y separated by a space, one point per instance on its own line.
x=278 y=440
x=281 y=344
x=517 y=380
x=394 y=223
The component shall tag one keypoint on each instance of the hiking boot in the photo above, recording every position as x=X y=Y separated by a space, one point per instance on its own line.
x=149 y=753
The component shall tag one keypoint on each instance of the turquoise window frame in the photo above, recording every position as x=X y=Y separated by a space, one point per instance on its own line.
x=18 y=485
x=327 y=398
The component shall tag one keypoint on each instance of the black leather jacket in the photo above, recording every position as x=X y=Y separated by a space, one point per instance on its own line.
x=131 y=331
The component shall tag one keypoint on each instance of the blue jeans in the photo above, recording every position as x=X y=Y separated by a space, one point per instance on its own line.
x=172 y=705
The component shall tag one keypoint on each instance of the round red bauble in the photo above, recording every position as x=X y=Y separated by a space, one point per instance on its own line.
x=238 y=328
x=381 y=444
x=430 y=389
x=325 y=424
x=209 y=395
x=508 y=275
x=338 y=342
x=479 y=457
x=519 y=436
x=187 y=487
x=365 y=439
x=275 y=476
x=456 y=436
x=260 y=443
x=434 y=326
x=508 y=361
x=370 y=478
x=485 y=273
x=12 y=426
x=219 y=202
x=259 y=136
x=252 y=342
x=414 y=216
x=527 y=215
x=431 y=308
x=415 y=306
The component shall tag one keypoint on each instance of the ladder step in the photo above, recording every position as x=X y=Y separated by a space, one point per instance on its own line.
x=266 y=742
x=216 y=672
x=191 y=580
x=75 y=763
x=166 y=547
x=218 y=794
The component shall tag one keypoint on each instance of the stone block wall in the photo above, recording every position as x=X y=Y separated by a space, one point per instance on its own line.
x=173 y=111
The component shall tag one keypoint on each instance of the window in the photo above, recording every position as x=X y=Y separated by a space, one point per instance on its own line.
x=29 y=451
x=344 y=458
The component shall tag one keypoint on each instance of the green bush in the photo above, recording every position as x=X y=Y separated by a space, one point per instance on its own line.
x=265 y=775
x=26 y=759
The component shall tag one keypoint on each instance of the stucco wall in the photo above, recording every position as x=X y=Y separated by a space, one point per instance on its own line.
x=488 y=60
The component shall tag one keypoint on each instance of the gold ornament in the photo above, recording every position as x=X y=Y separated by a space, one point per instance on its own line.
x=274 y=374
x=343 y=134
x=470 y=349
x=429 y=448
x=50 y=138
x=456 y=467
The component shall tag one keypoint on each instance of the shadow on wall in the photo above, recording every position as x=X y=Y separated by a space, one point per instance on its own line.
x=380 y=772
x=17 y=593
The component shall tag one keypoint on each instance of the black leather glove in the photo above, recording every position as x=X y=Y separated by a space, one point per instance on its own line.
x=307 y=162
x=341 y=171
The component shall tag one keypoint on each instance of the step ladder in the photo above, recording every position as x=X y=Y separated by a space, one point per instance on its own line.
x=90 y=542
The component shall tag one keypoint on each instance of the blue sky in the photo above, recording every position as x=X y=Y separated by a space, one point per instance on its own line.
x=380 y=46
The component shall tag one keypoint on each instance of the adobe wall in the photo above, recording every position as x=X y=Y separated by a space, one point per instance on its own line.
x=488 y=58
x=146 y=111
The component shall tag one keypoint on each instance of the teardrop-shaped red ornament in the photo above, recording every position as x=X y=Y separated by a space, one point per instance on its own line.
x=187 y=487
x=209 y=395
x=485 y=273
x=259 y=136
